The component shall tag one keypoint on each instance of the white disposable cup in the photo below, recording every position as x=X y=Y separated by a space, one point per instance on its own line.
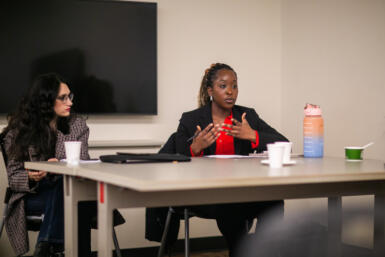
x=275 y=152
x=286 y=150
x=73 y=152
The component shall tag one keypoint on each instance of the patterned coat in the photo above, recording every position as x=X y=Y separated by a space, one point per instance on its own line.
x=15 y=224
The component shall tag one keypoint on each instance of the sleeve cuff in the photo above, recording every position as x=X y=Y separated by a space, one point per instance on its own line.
x=255 y=145
x=193 y=155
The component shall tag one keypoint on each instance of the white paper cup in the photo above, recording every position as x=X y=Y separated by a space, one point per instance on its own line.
x=275 y=152
x=72 y=152
x=286 y=150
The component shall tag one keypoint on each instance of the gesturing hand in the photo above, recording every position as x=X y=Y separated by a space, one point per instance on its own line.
x=205 y=137
x=241 y=130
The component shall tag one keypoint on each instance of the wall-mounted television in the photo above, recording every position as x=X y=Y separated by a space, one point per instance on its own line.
x=106 y=50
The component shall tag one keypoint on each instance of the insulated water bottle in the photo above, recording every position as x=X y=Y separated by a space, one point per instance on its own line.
x=313 y=131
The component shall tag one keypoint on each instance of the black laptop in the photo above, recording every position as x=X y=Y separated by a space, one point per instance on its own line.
x=122 y=157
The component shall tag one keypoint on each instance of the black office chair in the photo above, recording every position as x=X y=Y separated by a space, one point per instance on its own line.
x=34 y=221
x=181 y=212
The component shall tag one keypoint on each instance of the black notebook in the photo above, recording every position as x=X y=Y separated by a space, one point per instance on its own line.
x=121 y=157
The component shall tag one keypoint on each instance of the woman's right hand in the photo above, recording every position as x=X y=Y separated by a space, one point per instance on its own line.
x=205 y=137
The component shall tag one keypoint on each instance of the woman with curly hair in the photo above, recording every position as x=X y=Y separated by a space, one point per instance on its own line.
x=37 y=131
x=220 y=127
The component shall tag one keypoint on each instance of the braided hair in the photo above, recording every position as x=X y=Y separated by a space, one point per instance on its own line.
x=207 y=81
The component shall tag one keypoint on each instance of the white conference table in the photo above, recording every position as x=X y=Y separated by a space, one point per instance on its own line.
x=207 y=180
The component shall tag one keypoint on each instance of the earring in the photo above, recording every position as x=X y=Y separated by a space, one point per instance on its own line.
x=211 y=98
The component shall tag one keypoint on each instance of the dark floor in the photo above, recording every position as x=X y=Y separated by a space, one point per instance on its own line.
x=200 y=248
x=218 y=253
x=348 y=251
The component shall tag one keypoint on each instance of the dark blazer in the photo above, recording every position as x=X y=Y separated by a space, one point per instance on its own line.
x=15 y=224
x=177 y=143
x=203 y=117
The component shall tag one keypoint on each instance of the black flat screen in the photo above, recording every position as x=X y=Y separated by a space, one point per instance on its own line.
x=107 y=51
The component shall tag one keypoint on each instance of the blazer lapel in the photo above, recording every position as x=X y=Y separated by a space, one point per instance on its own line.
x=237 y=143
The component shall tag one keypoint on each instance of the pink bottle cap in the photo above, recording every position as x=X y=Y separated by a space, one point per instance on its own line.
x=312 y=110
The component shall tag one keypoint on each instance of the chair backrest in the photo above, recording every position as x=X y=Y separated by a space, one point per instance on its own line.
x=3 y=164
x=2 y=146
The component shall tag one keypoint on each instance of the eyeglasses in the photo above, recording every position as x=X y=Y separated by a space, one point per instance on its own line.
x=65 y=98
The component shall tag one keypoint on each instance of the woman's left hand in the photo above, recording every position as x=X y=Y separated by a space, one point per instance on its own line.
x=241 y=130
x=40 y=174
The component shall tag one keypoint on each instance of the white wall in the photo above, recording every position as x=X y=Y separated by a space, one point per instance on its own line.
x=286 y=53
x=333 y=54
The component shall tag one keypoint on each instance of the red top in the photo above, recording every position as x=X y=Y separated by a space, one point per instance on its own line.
x=225 y=143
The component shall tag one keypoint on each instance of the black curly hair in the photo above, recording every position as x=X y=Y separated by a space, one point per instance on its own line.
x=35 y=122
x=208 y=79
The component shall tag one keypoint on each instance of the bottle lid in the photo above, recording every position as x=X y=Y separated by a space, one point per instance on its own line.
x=312 y=110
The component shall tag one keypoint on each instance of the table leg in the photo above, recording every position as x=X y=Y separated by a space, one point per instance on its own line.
x=70 y=217
x=379 y=225
x=104 y=221
x=334 y=226
x=75 y=190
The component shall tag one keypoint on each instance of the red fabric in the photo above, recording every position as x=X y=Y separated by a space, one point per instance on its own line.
x=193 y=155
x=255 y=145
x=225 y=143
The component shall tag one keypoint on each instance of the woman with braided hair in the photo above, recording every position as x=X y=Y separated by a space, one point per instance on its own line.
x=219 y=126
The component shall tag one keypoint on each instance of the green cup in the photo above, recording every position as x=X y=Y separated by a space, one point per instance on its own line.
x=353 y=153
